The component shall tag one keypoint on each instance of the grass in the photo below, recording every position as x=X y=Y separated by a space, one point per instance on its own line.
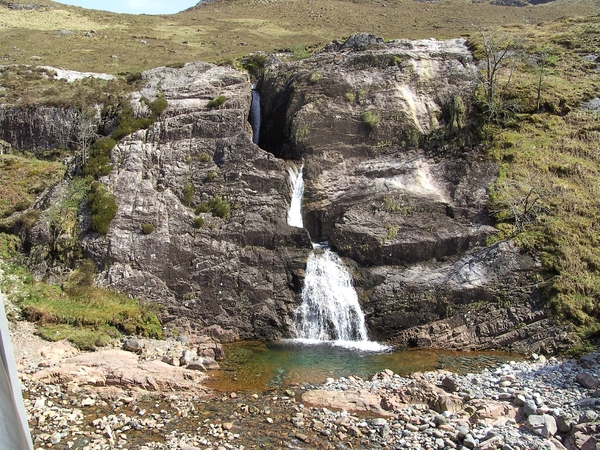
x=216 y=102
x=22 y=179
x=547 y=195
x=85 y=315
x=228 y=30
x=370 y=119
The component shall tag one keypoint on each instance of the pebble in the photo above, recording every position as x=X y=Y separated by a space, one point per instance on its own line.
x=550 y=398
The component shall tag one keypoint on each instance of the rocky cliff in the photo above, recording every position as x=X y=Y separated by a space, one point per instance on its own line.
x=395 y=181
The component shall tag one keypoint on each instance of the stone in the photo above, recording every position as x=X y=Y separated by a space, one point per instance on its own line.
x=449 y=383
x=586 y=380
x=564 y=423
x=187 y=357
x=544 y=425
x=462 y=429
x=529 y=407
x=133 y=345
x=469 y=441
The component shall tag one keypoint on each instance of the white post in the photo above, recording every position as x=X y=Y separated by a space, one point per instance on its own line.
x=14 y=429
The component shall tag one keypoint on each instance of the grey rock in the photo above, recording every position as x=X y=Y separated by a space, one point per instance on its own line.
x=529 y=407
x=133 y=345
x=544 y=425
x=469 y=441
x=449 y=383
x=462 y=428
x=586 y=380
x=187 y=357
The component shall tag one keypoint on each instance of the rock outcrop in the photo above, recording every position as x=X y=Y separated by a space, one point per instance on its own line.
x=395 y=181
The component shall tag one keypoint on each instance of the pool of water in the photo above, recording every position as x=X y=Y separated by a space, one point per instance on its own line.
x=260 y=366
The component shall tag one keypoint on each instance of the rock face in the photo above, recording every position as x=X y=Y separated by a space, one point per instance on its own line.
x=395 y=181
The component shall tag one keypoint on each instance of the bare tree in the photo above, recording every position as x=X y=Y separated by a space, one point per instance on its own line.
x=500 y=54
x=542 y=61
x=85 y=125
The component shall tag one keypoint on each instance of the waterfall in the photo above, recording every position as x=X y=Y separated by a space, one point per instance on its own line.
x=255 y=116
x=294 y=217
x=330 y=310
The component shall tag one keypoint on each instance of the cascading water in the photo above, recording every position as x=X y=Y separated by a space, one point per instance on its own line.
x=294 y=217
x=255 y=116
x=330 y=311
x=330 y=308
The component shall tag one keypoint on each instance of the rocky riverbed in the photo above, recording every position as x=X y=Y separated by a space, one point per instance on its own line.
x=534 y=404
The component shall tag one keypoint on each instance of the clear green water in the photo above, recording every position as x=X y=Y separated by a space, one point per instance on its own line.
x=260 y=366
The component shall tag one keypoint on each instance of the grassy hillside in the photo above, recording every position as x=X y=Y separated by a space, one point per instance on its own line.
x=62 y=36
x=547 y=196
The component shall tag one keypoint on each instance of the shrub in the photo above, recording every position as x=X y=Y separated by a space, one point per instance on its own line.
x=314 y=77
x=220 y=208
x=299 y=52
x=202 y=208
x=188 y=193
x=216 y=102
x=133 y=77
x=349 y=97
x=254 y=64
x=147 y=228
x=370 y=119
x=198 y=222
x=99 y=163
x=204 y=157
x=211 y=175
x=103 y=206
x=158 y=106
x=127 y=123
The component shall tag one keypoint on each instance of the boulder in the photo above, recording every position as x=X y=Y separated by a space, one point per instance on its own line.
x=133 y=345
x=587 y=380
x=544 y=425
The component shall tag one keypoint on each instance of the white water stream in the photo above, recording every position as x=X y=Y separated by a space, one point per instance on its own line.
x=330 y=311
x=255 y=116
x=294 y=217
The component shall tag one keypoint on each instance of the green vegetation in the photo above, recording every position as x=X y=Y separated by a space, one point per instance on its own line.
x=85 y=315
x=392 y=232
x=391 y=205
x=103 y=206
x=216 y=102
x=127 y=123
x=32 y=86
x=22 y=179
x=370 y=119
x=98 y=163
x=147 y=228
x=204 y=157
x=212 y=175
x=314 y=77
x=188 y=193
x=254 y=64
x=300 y=52
x=198 y=222
x=349 y=97
x=217 y=206
x=546 y=197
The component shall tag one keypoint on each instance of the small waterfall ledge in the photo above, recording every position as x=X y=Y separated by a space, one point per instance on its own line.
x=294 y=217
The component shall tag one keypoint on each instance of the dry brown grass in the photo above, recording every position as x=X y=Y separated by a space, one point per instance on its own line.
x=227 y=29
